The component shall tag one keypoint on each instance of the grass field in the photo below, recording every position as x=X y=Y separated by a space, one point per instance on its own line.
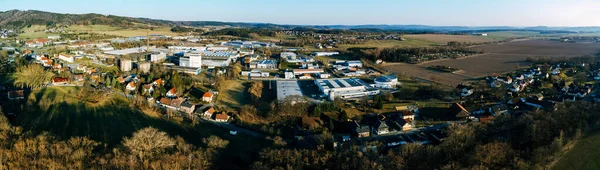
x=232 y=95
x=391 y=43
x=37 y=31
x=445 y=38
x=54 y=110
x=585 y=155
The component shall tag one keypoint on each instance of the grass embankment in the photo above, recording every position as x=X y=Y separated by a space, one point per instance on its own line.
x=232 y=95
x=54 y=110
x=584 y=155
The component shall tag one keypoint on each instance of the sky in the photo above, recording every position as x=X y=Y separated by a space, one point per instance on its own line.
x=338 y=12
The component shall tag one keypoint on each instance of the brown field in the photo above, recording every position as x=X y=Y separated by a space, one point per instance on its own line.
x=444 y=38
x=498 y=59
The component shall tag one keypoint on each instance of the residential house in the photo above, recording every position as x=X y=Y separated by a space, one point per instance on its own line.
x=381 y=128
x=458 y=110
x=172 y=93
x=16 y=95
x=209 y=112
x=187 y=107
x=408 y=115
x=171 y=103
x=148 y=88
x=221 y=117
x=407 y=124
x=207 y=97
x=130 y=86
x=465 y=90
x=363 y=131
x=158 y=82
x=57 y=81
x=78 y=77
x=499 y=109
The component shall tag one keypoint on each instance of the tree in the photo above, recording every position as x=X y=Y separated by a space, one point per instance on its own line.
x=32 y=76
x=343 y=115
x=255 y=90
x=147 y=142
x=215 y=142
x=236 y=70
x=219 y=82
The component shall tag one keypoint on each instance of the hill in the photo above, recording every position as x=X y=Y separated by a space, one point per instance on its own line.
x=19 y=19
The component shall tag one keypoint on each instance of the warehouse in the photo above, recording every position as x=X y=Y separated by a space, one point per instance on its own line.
x=345 y=88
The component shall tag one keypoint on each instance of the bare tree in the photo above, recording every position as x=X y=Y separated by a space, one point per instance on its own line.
x=147 y=142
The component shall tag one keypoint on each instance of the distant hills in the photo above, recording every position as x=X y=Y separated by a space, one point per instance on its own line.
x=17 y=19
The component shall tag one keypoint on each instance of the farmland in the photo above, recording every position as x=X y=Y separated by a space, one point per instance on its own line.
x=445 y=38
x=37 y=31
x=499 y=58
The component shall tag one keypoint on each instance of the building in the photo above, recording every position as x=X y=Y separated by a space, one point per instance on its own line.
x=263 y=64
x=221 y=117
x=171 y=103
x=144 y=67
x=184 y=61
x=126 y=65
x=386 y=82
x=207 y=97
x=289 y=75
x=381 y=128
x=130 y=86
x=66 y=58
x=54 y=37
x=254 y=73
x=345 y=88
x=158 y=82
x=287 y=88
x=157 y=57
x=354 y=63
x=308 y=71
x=209 y=112
x=57 y=81
x=172 y=93
x=187 y=107
x=363 y=131
x=195 y=60
x=148 y=88
x=16 y=95
x=325 y=53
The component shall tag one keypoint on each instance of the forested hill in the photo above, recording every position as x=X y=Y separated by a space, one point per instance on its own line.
x=20 y=19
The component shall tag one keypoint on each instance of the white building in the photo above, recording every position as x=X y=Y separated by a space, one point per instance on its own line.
x=144 y=67
x=326 y=53
x=158 y=57
x=289 y=74
x=195 y=59
x=126 y=65
x=345 y=88
x=264 y=64
x=287 y=88
x=254 y=73
x=386 y=82
x=66 y=58
x=354 y=63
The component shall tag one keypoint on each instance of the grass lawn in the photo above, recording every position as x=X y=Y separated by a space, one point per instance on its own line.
x=585 y=155
x=232 y=95
x=54 y=110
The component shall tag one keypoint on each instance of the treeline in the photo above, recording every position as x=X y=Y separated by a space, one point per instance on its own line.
x=243 y=32
x=186 y=29
x=531 y=141
x=412 y=55
x=147 y=148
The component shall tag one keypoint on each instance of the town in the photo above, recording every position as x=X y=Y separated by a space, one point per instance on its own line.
x=138 y=93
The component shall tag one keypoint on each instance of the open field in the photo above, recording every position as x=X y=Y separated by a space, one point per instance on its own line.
x=422 y=72
x=500 y=58
x=585 y=155
x=233 y=92
x=391 y=43
x=37 y=31
x=53 y=110
x=542 y=48
x=445 y=38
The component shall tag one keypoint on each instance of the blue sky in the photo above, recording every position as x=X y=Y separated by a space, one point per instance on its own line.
x=331 y=12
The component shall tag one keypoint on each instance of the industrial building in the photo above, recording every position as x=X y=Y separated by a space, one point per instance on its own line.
x=386 y=82
x=287 y=88
x=326 y=53
x=126 y=65
x=345 y=88
x=264 y=64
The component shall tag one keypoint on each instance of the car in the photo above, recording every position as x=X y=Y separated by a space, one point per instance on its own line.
x=233 y=132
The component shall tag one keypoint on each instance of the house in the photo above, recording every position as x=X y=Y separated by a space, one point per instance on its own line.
x=305 y=77
x=408 y=115
x=221 y=117
x=130 y=86
x=171 y=103
x=78 y=77
x=209 y=112
x=158 y=82
x=207 y=97
x=172 y=93
x=465 y=90
x=57 y=81
x=363 y=131
x=148 y=88
x=486 y=118
x=499 y=109
x=407 y=124
x=16 y=95
x=187 y=107
x=381 y=128
x=458 y=110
